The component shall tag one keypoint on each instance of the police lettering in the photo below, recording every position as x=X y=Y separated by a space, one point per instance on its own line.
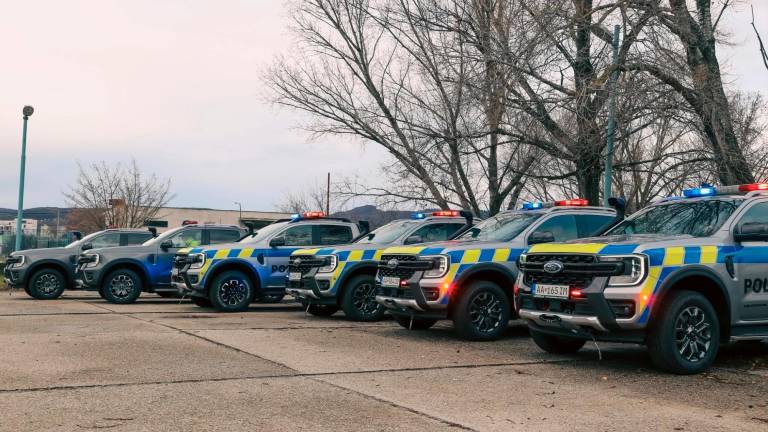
x=756 y=286
x=279 y=268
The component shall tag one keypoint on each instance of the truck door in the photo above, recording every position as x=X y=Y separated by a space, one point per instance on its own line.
x=750 y=263
x=276 y=260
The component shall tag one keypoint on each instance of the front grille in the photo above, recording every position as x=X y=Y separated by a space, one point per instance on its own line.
x=13 y=260
x=402 y=293
x=307 y=263
x=569 y=307
x=578 y=269
x=85 y=259
x=406 y=267
x=180 y=260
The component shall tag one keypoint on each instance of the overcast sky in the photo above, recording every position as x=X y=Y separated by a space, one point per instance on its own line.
x=175 y=84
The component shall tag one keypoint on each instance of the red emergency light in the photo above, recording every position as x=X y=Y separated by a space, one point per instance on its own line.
x=313 y=214
x=446 y=213
x=578 y=202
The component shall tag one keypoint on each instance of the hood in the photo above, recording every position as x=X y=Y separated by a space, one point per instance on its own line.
x=451 y=245
x=617 y=244
x=42 y=253
x=120 y=250
x=216 y=247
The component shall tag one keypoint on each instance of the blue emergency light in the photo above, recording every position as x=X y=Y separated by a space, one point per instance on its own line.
x=700 y=192
x=418 y=215
x=532 y=206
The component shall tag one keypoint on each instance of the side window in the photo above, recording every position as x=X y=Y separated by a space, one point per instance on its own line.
x=223 y=236
x=562 y=227
x=756 y=213
x=333 y=234
x=135 y=238
x=298 y=236
x=106 y=240
x=437 y=231
x=589 y=225
x=188 y=238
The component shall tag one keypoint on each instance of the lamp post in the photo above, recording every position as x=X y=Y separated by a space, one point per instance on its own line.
x=240 y=221
x=27 y=111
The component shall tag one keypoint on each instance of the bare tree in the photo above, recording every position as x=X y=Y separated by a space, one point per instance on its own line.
x=308 y=198
x=763 y=53
x=116 y=196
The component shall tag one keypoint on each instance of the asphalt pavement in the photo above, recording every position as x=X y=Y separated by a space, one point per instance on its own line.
x=79 y=363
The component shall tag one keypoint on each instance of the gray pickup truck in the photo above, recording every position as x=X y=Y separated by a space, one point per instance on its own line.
x=45 y=273
x=681 y=276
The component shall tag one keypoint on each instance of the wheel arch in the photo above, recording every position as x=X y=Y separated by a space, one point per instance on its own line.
x=498 y=274
x=706 y=282
x=353 y=271
x=129 y=264
x=52 y=264
x=237 y=265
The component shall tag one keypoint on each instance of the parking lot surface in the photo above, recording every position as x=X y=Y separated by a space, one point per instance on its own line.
x=79 y=363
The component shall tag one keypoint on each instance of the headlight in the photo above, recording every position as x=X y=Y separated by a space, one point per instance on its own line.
x=521 y=259
x=18 y=261
x=634 y=270
x=93 y=260
x=331 y=261
x=196 y=261
x=439 y=268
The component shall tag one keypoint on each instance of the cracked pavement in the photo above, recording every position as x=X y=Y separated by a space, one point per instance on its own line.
x=79 y=363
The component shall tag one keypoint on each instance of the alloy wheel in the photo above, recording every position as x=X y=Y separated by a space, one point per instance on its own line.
x=364 y=299
x=47 y=283
x=121 y=286
x=233 y=292
x=693 y=334
x=485 y=311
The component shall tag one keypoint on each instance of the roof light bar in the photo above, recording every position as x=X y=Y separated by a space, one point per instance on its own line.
x=446 y=213
x=418 y=215
x=709 y=190
x=314 y=214
x=576 y=202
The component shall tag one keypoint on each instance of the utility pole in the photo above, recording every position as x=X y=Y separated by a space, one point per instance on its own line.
x=27 y=111
x=240 y=221
x=328 y=195
x=607 y=182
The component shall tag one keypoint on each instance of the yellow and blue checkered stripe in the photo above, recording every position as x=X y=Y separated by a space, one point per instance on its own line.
x=347 y=259
x=460 y=259
x=661 y=262
x=250 y=255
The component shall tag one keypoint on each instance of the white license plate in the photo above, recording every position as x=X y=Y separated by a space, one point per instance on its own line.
x=390 y=281
x=551 y=291
x=294 y=276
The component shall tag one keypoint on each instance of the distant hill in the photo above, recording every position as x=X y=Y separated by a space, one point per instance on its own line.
x=46 y=214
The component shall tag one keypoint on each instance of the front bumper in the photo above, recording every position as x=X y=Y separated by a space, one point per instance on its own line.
x=415 y=297
x=187 y=281
x=88 y=278
x=313 y=287
x=15 y=277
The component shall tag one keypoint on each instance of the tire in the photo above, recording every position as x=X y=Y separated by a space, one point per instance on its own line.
x=122 y=286
x=685 y=335
x=556 y=344
x=26 y=290
x=231 y=291
x=482 y=312
x=168 y=294
x=417 y=323
x=359 y=300
x=271 y=299
x=46 y=284
x=101 y=293
x=322 y=310
x=201 y=301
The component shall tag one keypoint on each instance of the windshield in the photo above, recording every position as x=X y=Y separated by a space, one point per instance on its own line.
x=388 y=233
x=699 y=218
x=161 y=237
x=502 y=227
x=263 y=233
x=83 y=240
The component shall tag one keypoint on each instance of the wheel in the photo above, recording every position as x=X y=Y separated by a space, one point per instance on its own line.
x=122 y=286
x=46 y=284
x=271 y=298
x=168 y=294
x=26 y=290
x=414 y=324
x=231 y=291
x=482 y=312
x=556 y=344
x=359 y=300
x=322 y=310
x=101 y=293
x=685 y=335
x=201 y=301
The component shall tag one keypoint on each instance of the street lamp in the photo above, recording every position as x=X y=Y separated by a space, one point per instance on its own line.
x=27 y=111
x=240 y=221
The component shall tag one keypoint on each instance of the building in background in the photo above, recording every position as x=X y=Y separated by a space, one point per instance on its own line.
x=28 y=226
x=170 y=217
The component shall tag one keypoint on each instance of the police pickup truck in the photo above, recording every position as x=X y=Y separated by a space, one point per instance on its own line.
x=326 y=279
x=469 y=280
x=120 y=274
x=229 y=277
x=681 y=276
x=45 y=273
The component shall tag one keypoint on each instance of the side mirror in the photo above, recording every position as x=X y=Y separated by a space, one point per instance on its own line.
x=166 y=244
x=751 y=231
x=87 y=246
x=277 y=242
x=541 y=237
x=414 y=239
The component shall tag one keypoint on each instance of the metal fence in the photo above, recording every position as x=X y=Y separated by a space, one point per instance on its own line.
x=31 y=241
